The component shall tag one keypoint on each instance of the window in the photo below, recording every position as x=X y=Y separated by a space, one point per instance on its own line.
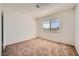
x=52 y=24
x=55 y=24
x=46 y=24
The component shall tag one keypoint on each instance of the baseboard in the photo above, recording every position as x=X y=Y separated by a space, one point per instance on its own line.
x=54 y=41
x=21 y=41
x=38 y=38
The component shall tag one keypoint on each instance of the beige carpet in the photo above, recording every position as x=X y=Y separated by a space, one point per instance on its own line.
x=39 y=47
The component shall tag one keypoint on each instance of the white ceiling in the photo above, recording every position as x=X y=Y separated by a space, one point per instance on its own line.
x=45 y=8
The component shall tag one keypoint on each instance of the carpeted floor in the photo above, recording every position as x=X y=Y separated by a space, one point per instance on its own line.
x=39 y=47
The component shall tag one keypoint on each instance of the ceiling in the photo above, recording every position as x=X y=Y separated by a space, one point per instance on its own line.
x=43 y=10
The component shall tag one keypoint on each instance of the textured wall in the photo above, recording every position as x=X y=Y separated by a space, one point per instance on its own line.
x=77 y=29
x=66 y=33
x=18 y=26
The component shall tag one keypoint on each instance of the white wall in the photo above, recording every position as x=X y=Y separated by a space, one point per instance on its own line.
x=18 y=26
x=77 y=29
x=66 y=33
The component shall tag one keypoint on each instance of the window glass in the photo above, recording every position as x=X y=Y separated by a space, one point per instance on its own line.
x=55 y=24
x=46 y=24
